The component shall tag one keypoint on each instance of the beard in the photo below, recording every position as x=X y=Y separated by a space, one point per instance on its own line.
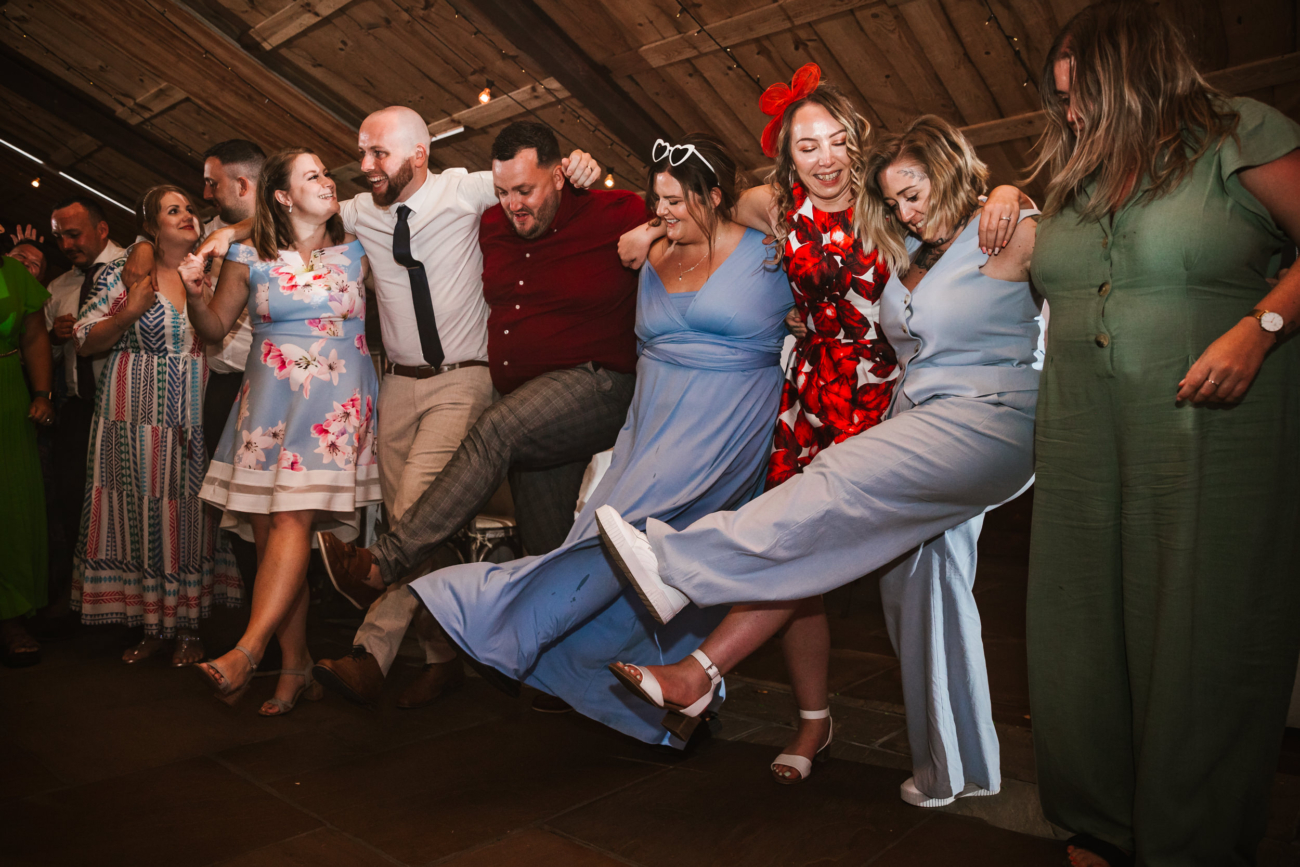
x=542 y=218
x=396 y=183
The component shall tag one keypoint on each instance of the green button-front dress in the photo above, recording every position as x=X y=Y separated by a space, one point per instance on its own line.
x=1164 y=597
x=23 y=554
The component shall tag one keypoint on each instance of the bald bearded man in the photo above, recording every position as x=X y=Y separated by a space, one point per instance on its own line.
x=420 y=233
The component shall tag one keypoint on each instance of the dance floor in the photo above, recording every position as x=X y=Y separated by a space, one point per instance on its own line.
x=107 y=764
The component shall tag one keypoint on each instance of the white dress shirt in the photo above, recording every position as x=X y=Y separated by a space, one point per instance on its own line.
x=65 y=291
x=444 y=220
x=231 y=354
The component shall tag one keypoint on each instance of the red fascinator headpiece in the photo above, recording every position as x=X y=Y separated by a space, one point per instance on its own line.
x=777 y=98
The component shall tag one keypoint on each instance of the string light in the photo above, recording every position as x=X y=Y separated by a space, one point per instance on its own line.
x=36 y=182
x=1012 y=42
x=735 y=61
x=485 y=95
x=609 y=179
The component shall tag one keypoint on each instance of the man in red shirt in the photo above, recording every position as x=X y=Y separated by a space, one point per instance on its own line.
x=562 y=354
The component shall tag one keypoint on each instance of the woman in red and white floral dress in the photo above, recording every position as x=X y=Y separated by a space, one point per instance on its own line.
x=842 y=371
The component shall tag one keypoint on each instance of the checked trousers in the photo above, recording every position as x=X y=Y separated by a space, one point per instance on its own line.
x=542 y=435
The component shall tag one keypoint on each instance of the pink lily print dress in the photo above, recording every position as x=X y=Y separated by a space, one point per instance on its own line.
x=302 y=434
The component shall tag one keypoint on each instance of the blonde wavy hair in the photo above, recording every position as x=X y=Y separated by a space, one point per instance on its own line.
x=957 y=180
x=1145 y=110
x=783 y=175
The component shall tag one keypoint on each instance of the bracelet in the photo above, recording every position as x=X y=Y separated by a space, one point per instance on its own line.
x=48 y=395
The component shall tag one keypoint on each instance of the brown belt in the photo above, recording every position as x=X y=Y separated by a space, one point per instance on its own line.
x=427 y=370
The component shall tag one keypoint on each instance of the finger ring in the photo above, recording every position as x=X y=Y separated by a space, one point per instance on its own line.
x=1211 y=382
x=1004 y=218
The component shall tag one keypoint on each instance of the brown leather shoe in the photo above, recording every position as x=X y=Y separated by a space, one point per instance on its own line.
x=356 y=677
x=435 y=679
x=348 y=566
x=543 y=703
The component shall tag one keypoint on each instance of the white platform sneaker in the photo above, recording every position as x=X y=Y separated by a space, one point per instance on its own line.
x=917 y=798
x=631 y=550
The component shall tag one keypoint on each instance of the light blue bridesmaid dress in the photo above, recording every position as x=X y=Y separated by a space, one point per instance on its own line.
x=695 y=442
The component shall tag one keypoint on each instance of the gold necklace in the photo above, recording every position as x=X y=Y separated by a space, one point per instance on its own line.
x=681 y=273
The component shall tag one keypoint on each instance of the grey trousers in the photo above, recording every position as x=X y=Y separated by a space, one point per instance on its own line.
x=542 y=434
x=909 y=494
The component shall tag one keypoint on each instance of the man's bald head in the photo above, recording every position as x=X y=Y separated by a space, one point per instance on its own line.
x=394 y=146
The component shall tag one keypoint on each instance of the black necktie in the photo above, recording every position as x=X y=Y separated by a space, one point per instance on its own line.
x=430 y=345
x=86 y=367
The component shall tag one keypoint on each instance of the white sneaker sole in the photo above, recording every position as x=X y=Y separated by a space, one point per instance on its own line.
x=919 y=799
x=613 y=531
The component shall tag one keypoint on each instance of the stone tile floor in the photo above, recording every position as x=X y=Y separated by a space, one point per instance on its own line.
x=105 y=764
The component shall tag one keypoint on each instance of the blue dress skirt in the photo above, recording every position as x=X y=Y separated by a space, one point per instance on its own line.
x=695 y=441
x=302 y=434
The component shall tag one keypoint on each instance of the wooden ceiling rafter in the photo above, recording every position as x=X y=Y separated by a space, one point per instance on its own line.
x=86 y=113
x=228 y=81
x=731 y=32
x=531 y=30
x=294 y=18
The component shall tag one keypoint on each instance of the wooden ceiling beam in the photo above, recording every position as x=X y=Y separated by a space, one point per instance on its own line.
x=95 y=119
x=292 y=20
x=502 y=107
x=534 y=33
x=1236 y=80
x=174 y=44
x=152 y=104
x=754 y=24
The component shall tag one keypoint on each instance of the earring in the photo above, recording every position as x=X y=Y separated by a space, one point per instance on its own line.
x=291 y=207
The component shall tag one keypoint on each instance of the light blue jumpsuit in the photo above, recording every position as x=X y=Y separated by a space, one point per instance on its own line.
x=909 y=493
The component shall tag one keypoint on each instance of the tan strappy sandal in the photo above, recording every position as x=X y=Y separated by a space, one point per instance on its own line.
x=220 y=682
x=310 y=690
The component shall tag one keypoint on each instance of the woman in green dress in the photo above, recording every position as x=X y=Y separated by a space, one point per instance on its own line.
x=23 y=341
x=1164 y=595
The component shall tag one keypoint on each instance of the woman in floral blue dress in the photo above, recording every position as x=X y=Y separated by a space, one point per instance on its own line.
x=297 y=454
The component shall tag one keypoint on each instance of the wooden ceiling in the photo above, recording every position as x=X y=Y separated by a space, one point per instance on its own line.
x=123 y=94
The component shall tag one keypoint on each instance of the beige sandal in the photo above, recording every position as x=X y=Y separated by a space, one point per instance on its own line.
x=310 y=690
x=219 y=681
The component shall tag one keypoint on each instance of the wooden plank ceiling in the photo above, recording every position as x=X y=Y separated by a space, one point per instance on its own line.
x=123 y=94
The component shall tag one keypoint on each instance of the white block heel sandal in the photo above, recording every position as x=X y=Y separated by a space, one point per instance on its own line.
x=679 y=720
x=799 y=763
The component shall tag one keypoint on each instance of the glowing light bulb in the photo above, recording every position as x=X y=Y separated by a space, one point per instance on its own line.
x=36 y=182
x=609 y=180
x=485 y=95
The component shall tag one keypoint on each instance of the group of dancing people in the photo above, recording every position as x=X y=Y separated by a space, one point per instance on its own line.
x=530 y=323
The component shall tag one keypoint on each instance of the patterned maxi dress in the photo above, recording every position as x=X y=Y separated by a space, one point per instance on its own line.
x=841 y=375
x=148 y=552
x=302 y=434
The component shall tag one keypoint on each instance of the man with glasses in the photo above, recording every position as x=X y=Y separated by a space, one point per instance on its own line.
x=562 y=354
